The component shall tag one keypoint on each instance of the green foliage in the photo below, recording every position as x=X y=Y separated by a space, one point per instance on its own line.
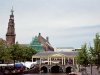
x=15 y=52
x=91 y=55
x=14 y=49
x=96 y=51
x=82 y=57
x=21 y=53
x=4 y=52
x=27 y=53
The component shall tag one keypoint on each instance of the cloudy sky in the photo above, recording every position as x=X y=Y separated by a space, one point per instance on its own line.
x=67 y=23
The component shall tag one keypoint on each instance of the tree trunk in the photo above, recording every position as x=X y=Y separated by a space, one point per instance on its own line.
x=79 y=68
x=14 y=63
x=91 y=68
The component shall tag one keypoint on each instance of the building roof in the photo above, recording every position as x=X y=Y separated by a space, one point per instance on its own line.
x=45 y=42
x=65 y=47
x=35 y=44
x=52 y=53
x=41 y=44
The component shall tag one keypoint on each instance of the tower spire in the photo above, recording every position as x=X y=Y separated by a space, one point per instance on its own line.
x=10 y=36
x=12 y=14
x=12 y=11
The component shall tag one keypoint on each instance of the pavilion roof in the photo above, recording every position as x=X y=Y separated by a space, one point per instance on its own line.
x=52 y=53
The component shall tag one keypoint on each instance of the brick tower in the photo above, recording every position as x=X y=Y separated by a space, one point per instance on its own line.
x=10 y=35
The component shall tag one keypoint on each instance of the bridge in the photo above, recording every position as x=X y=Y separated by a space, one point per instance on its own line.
x=55 y=62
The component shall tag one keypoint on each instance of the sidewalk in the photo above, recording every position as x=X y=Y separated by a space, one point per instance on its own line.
x=88 y=70
x=78 y=73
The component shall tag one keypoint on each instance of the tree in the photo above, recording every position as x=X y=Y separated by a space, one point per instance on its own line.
x=21 y=52
x=4 y=52
x=91 y=57
x=27 y=53
x=14 y=52
x=82 y=57
x=96 y=51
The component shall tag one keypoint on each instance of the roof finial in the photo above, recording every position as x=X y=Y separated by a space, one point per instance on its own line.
x=12 y=10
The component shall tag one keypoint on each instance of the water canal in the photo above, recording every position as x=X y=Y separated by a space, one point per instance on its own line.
x=47 y=74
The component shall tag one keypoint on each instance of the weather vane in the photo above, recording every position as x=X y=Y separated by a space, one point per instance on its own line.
x=12 y=10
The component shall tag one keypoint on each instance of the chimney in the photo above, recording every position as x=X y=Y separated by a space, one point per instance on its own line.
x=39 y=34
x=47 y=38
